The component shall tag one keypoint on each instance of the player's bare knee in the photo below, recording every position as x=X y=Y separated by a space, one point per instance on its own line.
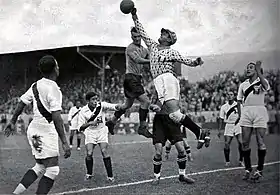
x=89 y=153
x=52 y=172
x=38 y=169
x=104 y=152
x=176 y=116
x=245 y=146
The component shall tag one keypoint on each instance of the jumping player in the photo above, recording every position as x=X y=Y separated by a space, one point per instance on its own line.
x=73 y=116
x=162 y=60
x=136 y=57
x=229 y=115
x=92 y=123
x=45 y=128
x=254 y=116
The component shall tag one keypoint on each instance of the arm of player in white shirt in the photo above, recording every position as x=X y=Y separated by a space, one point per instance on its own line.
x=221 y=117
x=109 y=106
x=148 y=41
x=25 y=99
x=54 y=99
x=177 y=57
x=82 y=121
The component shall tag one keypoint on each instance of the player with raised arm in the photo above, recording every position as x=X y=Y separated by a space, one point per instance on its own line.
x=45 y=128
x=73 y=116
x=254 y=116
x=136 y=57
x=162 y=67
x=229 y=114
x=92 y=123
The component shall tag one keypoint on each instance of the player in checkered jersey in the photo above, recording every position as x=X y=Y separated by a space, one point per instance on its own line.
x=254 y=116
x=162 y=59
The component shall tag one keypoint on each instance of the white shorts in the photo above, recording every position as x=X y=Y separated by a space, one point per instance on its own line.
x=96 y=136
x=254 y=116
x=167 y=86
x=232 y=130
x=43 y=140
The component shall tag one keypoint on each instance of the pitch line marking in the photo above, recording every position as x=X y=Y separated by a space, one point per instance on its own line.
x=162 y=178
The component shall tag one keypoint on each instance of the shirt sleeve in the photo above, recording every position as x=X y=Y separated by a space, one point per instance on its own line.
x=55 y=99
x=177 y=57
x=148 y=41
x=27 y=97
x=240 y=94
x=132 y=53
x=222 y=113
x=108 y=106
x=81 y=118
x=70 y=114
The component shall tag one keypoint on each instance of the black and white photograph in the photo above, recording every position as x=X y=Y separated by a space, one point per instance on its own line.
x=144 y=97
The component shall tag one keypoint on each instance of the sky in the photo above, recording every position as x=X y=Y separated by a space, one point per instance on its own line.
x=203 y=27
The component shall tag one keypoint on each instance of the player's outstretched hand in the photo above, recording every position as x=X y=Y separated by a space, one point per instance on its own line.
x=258 y=65
x=199 y=61
x=9 y=129
x=67 y=150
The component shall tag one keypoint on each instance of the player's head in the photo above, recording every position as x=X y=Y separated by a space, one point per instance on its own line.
x=167 y=37
x=92 y=98
x=48 y=66
x=230 y=95
x=78 y=103
x=251 y=70
x=135 y=36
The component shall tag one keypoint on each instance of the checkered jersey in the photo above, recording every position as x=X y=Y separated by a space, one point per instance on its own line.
x=161 y=60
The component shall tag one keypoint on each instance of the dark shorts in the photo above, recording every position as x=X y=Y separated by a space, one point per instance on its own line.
x=133 y=86
x=165 y=129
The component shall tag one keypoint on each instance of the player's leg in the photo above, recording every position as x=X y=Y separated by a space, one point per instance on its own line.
x=143 y=113
x=168 y=147
x=30 y=176
x=168 y=90
x=159 y=140
x=104 y=147
x=239 y=141
x=260 y=126
x=228 y=140
x=157 y=162
x=52 y=171
x=72 y=131
x=181 y=161
x=78 y=139
x=246 y=138
x=260 y=133
x=202 y=135
x=117 y=114
x=186 y=145
x=89 y=160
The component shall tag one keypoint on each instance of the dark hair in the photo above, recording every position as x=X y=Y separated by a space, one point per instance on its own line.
x=46 y=64
x=133 y=29
x=90 y=95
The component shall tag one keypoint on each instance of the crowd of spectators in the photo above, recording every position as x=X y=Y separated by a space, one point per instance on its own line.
x=207 y=95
